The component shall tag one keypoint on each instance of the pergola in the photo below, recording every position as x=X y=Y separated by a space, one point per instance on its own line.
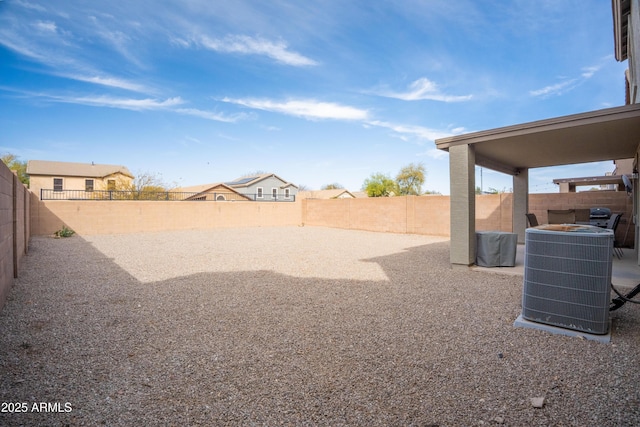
x=608 y=134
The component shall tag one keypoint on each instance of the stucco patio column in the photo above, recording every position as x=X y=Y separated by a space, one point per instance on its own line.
x=462 y=161
x=520 y=203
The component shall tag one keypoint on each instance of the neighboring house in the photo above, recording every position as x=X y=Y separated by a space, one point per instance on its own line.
x=218 y=192
x=336 y=193
x=265 y=187
x=65 y=176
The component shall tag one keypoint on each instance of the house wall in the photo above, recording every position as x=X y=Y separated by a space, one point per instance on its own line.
x=14 y=228
x=267 y=184
x=131 y=216
x=36 y=183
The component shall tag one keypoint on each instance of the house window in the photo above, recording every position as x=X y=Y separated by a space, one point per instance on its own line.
x=274 y=193
x=287 y=193
x=88 y=185
x=57 y=184
x=111 y=184
x=259 y=190
x=220 y=198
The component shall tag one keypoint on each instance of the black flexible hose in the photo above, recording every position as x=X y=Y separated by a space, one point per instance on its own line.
x=619 y=302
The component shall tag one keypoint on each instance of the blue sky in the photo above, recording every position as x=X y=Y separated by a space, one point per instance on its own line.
x=316 y=91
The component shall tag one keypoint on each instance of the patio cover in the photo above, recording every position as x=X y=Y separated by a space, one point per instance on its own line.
x=608 y=134
x=570 y=184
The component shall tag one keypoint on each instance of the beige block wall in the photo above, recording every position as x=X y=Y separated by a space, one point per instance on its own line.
x=6 y=232
x=129 y=216
x=355 y=214
x=617 y=201
x=21 y=216
x=428 y=215
x=14 y=228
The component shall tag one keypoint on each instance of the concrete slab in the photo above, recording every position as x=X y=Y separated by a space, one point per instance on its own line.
x=524 y=323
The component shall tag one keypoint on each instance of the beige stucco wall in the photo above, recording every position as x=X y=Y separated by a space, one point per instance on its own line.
x=36 y=183
x=428 y=215
x=14 y=228
x=130 y=216
x=617 y=201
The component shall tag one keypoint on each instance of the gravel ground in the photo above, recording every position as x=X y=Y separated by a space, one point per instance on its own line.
x=292 y=326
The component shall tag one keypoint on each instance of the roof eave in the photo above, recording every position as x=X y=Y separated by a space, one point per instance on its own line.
x=621 y=10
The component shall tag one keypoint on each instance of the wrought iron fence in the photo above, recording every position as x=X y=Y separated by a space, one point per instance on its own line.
x=47 y=194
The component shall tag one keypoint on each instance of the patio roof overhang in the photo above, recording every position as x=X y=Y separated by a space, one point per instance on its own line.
x=609 y=134
x=592 y=180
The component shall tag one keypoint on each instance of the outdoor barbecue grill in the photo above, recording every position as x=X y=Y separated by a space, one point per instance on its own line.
x=599 y=216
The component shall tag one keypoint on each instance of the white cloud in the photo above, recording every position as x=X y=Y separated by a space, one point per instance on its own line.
x=556 y=89
x=568 y=84
x=210 y=115
x=121 y=41
x=109 y=82
x=424 y=89
x=255 y=46
x=46 y=26
x=308 y=109
x=149 y=104
x=28 y=5
x=588 y=72
x=422 y=133
x=21 y=47
x=124 y=103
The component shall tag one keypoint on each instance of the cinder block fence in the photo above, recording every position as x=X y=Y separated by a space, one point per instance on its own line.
x=14 y=228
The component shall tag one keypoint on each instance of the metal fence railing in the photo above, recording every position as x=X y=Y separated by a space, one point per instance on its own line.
x=47 y=194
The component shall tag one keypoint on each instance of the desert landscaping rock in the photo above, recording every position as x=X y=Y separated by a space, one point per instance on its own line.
x=292 y=326
x=537 y=402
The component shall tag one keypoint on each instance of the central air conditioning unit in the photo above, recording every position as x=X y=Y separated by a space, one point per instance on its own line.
x=567 y=277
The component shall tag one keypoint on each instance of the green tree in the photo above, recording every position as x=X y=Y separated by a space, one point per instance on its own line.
x=380 y=185
x=410 y=179
x=12 y=162
x=334 y=186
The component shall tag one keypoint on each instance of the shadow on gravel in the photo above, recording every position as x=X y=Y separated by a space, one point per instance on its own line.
x=430 y=346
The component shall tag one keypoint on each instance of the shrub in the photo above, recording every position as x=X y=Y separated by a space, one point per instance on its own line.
x=64 y=232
